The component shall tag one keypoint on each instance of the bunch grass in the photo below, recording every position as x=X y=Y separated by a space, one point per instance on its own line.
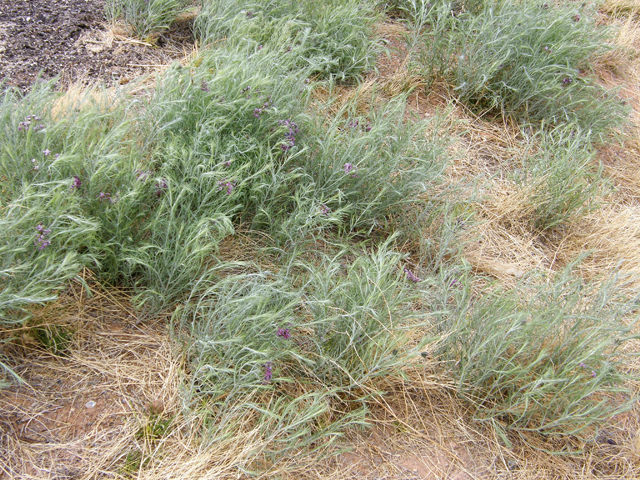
x=521 y=60
x=545 y=358
x=145 y=17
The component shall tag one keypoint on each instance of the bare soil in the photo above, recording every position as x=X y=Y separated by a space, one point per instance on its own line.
x=71 y=38
x=82 y=410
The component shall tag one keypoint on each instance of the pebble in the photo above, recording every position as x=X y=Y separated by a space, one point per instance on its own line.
x=90 y=404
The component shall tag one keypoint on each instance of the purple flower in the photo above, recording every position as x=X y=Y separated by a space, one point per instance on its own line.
x=576 y=18
x=325 y=210
x=227 y=163
x=46 y=152
x=268 y=372
x=259 y=47
x=26 y=124
x=250 y=14
x=284 y=333
x=228 y=185
x=567 y=80
x=76 y=182
x=348 y=168
x=161 y=186
x=258 y=111
x=290 y=136
x=367 y=127
x=104 y=196
x=41 y=240
x=204 y=87
x=411 y=276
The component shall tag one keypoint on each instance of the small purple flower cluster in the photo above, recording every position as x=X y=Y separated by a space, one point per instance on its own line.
x=567 y=80
x=284 y=333
x=107 y=196
x=161 y=187
x=348 y=168
x=268 y=373
x=46 y=152
x=258 y=111
x=411 y=276
x=204 y=87
x=325 y=210
x=41 y=239
x=576 y=18
x=228 y=185
x=547 y=49
x=356 y=123
x=250 y=14
x=76 y=182
x=26 y=124
x=290 y=136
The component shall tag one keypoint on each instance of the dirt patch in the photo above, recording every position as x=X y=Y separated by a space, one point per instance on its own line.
x=85 y=408
x=70 y=38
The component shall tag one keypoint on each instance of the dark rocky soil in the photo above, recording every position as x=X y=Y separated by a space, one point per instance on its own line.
x=70 y=38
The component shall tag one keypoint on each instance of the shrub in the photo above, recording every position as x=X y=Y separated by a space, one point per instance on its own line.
x=287 y=357
x=358 y=170
x=331 y=38
x=545 y=358
x=563 y=180
x=145 y=17
x=521 y=59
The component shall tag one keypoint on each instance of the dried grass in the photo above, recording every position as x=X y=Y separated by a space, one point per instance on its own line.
x=122 y=366
x=623 y=59
x=502 y=243
x=629 y=7
x=612 y=236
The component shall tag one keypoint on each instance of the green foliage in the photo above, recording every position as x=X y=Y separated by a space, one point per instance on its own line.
x=251 y=347
x=329 y=38
x=44 y=241
x=563 y=180
x=544 y=358
x=145 y=16
x=53 y=338
x=520 y=59
x=359 y=312
x=155 y=427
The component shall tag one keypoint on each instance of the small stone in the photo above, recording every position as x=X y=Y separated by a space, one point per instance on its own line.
x=90 y=404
